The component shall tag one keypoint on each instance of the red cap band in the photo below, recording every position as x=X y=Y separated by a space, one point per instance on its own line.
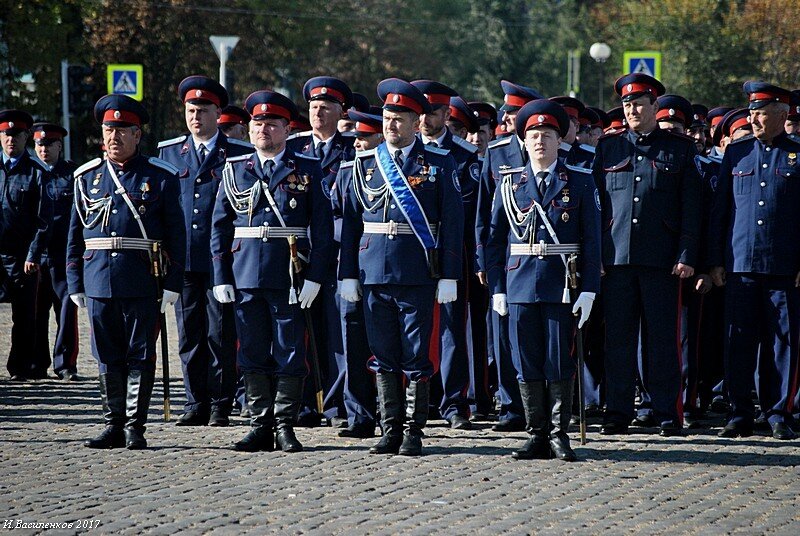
x=45 y=134
x=484 y=114
x=542 y=119
x=638 y=87
x=121 y=116
x=230 y=118
x=572 y=112
x=13 y=124
x=367 y=128
x=458 y=115
x=769 y=96
x=396 y=99
x=616 y=123
x=513 y=100
x=437 y=99
x=739 y=123
x=201 y=94
x=716 y=120
x=669 y=114
x=271 y=109
x=326 y=92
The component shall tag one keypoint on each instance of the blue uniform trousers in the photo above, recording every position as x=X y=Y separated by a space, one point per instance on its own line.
x=479 y=392
x=541 y=341
x=761 y=310
x=53 y=293
x=272 y=333
x=452 y=346
x=206 y=344
x=647 y=299
x=399 y=320
x=507 y=386
x=594 y=335
x=22 y=293
x=359 y=387
x=124 y=332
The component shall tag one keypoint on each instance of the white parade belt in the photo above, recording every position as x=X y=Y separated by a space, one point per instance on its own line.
x=265 y=232
x=392 y=228
x=541 y=249
x=123 y=242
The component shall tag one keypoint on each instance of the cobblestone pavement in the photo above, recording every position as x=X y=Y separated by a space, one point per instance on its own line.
x=190 y=481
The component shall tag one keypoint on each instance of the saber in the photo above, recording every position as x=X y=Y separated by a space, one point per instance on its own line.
x=297 y=266
x=157 y=272
x=573 y=284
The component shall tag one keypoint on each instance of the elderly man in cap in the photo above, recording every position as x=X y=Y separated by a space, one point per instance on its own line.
x=125 y=254
x=24 y=233
x=48 y=141
x=651 y=219
x=262 y=249
x=753 y=248
x=543 y=213
x=402 y=241
x=206 y=329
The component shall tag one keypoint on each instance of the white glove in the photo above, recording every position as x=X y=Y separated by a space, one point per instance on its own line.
x=168 y=298
x=350 y=290
x=78 y=299
x=223 y=293
x=446 y=290
x=584 y=305
x=499 y=304
x=308 y=293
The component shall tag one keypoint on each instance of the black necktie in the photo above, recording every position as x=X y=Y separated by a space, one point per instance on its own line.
x=321 y=150
x=269 y=167
x=432 y=144
x=542 y=176
x=203 y=153
x=398 y=157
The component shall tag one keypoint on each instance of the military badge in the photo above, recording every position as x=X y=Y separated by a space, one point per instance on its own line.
x=475 y=172
x=565 y=217
x=456 y=184
x=433 y=171
x=97 y=178
x=792 y=159
x=301 y=187
x=414 y=182
x=142 y=209
x=565 y=196
x=293 y=203
x=94 y=190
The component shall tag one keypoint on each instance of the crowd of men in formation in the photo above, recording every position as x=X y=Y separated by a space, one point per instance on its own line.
x=425 y=258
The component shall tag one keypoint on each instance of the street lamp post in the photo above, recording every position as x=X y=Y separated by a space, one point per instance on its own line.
x=223 y=46
x=600 y=52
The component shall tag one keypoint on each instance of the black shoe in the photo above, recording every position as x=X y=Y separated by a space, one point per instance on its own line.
x=257 y=439
x=359 y=430
x=245 y=413
x=761 y=423
x=720 y=405
x=389 y=444
x=411 y=446
x=309 y=420
x=559 y=445
x=134 y=439
x=70 y=376
x=38 y=375
x=593 y=410
x=644 y=420
x=18 y=378
x=509 y=425
x=458 y=422
x=219 y=417
x=479 y=416
x=613 y=428
x=670 y=430
x=782 y=431
x=111 y=437
x=193 y=418
x=286 y=441
x=535 y=448
x=692 y=420
x=736 y=429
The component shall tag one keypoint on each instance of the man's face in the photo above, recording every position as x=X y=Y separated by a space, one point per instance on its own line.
x=269 y=135
x=480 y=139
x=399 y=128
x=324 y=116
x=432 y=124
x=13 y=142
x=640 y=113
x=49 y=153
x=510 y=121
x=346 y=125
x=699 y=135
x=365 y=142
x=457 y=128
x=768 y=121
x=572 y=133
x=671 y=126
x=791 y=127
x=201 y=119
x=740 y=133
x=236 y=131
x=542 y=144
x=121 y=142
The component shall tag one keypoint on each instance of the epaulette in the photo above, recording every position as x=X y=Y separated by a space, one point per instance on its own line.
x=702 y=159
x=346 y=164
x=368 y=152
x=588 y=148
x=298 y=134
x=241 y=143
x=173 y=141
x=166 y=166
x=464 y=144
x=437 y=150
x=512 y=170
x=502 y=141
x=307 y=157
x=88 y=166
x=578 y=169
x=564 y=146
x=238 y=158
x=794 y=137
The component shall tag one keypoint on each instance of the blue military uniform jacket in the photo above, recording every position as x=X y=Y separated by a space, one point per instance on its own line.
x=503 y=154
x=651 y=198
x=572 y=205
x=755 y=220
x=377 y=259
x=25 y=216
x=708 y=168
x=60 y=191
x=577 y=154
x=296 y=187
x=340 y=149
x=152 y=186
x=199 y=184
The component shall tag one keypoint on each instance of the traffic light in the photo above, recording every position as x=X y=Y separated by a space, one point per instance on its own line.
x=81 y=93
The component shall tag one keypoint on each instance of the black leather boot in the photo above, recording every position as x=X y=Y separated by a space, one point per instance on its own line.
x=536 y=411
x=112 y=394
x=417 y=395
x=288 y=397
x=260 y=396
x=390 y=401
x=140 y=387
x=560 y=400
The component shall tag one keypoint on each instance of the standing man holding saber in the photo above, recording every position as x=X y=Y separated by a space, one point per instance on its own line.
x=543 y=213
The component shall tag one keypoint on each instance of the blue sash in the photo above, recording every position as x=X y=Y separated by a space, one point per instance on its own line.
x=404 y=197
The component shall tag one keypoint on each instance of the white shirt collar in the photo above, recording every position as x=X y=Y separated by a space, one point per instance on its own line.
x=210 y=144
x=439 y=141
x=551 y=170
x=10 y=161
x=277 y=158
x=406 y=150
x=317 y=141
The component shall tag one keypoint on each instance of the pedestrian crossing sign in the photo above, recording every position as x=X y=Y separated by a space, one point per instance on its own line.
x=642 y=61
x=126 y=79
